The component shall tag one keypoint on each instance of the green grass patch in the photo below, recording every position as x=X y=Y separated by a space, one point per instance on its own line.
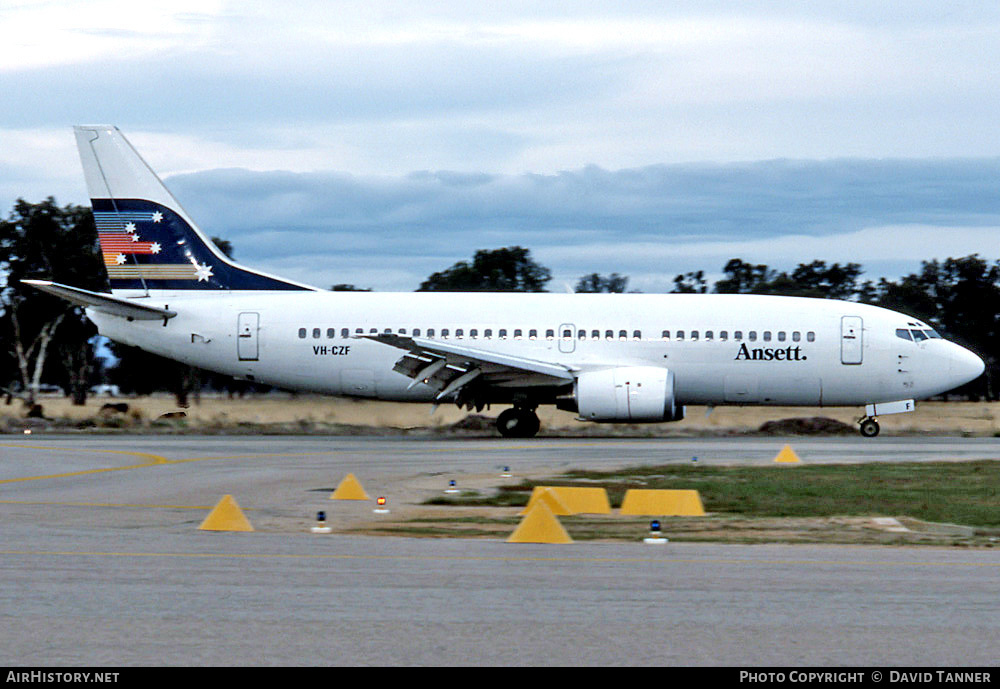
x=956 y=492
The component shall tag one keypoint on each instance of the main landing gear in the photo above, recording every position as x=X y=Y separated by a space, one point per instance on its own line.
x=518 y=422
x=868 y=426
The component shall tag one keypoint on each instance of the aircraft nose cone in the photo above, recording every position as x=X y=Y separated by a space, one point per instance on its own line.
x=965 y=366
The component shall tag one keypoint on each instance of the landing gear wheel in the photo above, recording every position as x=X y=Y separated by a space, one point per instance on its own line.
x=869 y=427
x=518 y=423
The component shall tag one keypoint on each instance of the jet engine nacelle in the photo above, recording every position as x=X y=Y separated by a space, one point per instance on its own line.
x=627 y=393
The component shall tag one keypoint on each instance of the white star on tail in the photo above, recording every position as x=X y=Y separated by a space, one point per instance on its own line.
x=154 y=248
x=203 y=272
x=130 y=227
x=120 y=259
x=157 y=216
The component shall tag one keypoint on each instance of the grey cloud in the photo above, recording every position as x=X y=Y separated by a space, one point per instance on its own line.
x=584 y=220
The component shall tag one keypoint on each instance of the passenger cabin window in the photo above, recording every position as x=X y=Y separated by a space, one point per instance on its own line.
x=517 y=334
x=302 y=333
x=503 y=333
x=665 y=335
x=723 y=334
x=709 y=335
x=582 y=335
x=753 y=336
x=738 y=335
x=811 y=336
x=416 y=332
x=694 y=334
x=488 y=333
x=622 y=335
x=609 y=334
x=315 y=333
x=359 y=331
x=796 y=336
x=430 y=332
x=459 y=333
x=345 y=332
x=444 y=333
x=781 y=336
x=767 y=336
x=595 y=334
x=473 y=333
x=532 y=334
x=331 y=333
x=680 y=334
x=550 y=334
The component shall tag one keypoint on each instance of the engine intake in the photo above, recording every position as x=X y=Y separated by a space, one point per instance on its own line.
x=627 y=393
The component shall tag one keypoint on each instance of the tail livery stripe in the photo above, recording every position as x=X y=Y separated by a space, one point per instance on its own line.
x=144 y=243
x=147 y=240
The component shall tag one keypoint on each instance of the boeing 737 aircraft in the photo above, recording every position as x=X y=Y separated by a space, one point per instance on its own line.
x=608 y=357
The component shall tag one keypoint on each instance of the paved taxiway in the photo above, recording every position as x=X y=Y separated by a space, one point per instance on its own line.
x=102 y=564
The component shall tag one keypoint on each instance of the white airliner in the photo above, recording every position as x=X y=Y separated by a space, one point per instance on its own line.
x=608 y=357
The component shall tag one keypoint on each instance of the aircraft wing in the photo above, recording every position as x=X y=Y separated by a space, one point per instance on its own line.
x=448 y=366
x=105 y=303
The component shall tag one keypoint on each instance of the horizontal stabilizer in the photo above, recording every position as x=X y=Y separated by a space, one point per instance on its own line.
x=105 y=303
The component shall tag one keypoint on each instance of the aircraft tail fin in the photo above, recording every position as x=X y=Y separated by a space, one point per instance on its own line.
x=147 y=240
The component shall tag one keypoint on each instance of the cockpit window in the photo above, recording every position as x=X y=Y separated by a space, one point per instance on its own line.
x=917 y=335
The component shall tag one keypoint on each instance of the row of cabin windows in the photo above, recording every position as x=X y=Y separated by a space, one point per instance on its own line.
x=518 y=334
x=766 y=336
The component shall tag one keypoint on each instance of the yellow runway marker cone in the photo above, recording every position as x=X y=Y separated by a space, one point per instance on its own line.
x=662 y=503
x=349 y=489
x=540 y=526
x=226 y=516
x=563 y=500
x=787 y=456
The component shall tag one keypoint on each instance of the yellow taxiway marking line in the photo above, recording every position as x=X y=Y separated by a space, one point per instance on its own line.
x=105 y=504
x=154 y=460
x=82 y=472
x=500 y=558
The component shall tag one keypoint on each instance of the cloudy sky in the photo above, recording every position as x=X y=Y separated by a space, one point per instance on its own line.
x=376 y=142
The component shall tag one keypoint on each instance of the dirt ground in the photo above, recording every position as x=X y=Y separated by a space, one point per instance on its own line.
x=317 y=413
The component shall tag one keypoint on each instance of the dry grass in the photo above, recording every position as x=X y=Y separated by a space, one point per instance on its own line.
x=308 y=413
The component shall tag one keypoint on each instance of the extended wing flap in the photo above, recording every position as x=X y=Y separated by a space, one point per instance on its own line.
x=105 y=303
x=448 y=366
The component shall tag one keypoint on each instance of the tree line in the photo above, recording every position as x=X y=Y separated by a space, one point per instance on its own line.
x=45 y=340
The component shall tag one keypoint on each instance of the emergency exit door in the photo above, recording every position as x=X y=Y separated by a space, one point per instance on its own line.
x=851 y=340
x=567 y=338
x=247 y=328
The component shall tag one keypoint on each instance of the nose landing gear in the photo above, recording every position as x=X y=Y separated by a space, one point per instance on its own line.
x=868 y=426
